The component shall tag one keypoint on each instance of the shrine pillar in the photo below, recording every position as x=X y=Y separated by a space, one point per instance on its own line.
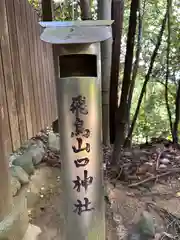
x=78 y=87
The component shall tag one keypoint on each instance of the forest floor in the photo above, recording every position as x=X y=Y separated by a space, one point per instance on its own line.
x=142 y=194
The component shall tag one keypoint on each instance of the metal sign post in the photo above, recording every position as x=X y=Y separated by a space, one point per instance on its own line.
x=78 y=84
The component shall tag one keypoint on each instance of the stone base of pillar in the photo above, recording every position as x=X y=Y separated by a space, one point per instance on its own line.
x=32 y=233
x=15 y=224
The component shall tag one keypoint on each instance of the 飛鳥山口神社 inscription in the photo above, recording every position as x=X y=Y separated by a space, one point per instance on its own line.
x=81 y=162
x=79 y=107
x=85 y=182
x=79 y=147
x=82 y=207
x=79 y=129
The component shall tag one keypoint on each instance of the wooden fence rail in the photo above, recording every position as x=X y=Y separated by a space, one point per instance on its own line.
x=27 y=91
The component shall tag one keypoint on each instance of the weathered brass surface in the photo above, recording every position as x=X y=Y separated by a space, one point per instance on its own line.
x=81 y=170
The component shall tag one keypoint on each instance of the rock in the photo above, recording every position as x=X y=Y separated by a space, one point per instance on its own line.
x=37 y=154
x=32 y=232
x=15 y=186
x=146 y=167
x=143 y=158
x=128 y=154
x=134 y=236
x=177 y=157
x=15 y=224
x=162 y=166
x=146 y=225
x=158 y=236
x=146 y=152
x=40 y=143
x=27 y=144
x=25 y=161
x=164 y=161
x=12 y=158
x=53 y=142
x=20 y=174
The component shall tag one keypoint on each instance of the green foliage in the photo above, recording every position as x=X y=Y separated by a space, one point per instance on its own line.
x=153 y=120
x=35 y=3
x=65 y=10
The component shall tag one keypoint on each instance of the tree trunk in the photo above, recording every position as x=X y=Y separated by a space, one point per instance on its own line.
x=85 y=9
x=47 y=12
x=117 y=16
x=175 y=128
x=147 y=77
x=167 y=66
x=136 y=65
x=121 y=123
x=104 y=13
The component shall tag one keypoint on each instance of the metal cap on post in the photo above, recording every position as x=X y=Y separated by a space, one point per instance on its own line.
x=78 y=86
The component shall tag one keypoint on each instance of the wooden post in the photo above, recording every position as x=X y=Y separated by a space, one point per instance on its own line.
x=85 y=9
x=47 y=10
x=104 y=13
x=5 y=187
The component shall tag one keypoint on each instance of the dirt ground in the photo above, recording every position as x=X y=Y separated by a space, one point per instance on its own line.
x=44 y=200
x=45 y=196
x=147 y=181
